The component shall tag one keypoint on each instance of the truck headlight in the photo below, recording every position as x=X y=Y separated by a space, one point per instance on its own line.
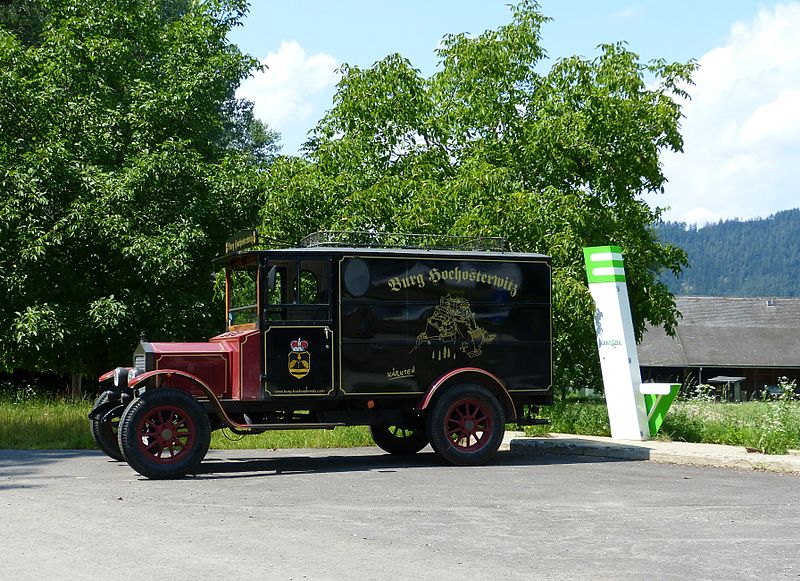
x=121 y=376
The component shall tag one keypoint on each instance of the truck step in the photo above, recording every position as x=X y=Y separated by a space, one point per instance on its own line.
x=532 y=421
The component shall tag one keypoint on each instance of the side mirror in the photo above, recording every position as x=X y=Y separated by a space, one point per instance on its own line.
x=271 y=275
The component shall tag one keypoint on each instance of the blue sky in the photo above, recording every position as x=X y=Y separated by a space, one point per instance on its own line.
x=742 y=126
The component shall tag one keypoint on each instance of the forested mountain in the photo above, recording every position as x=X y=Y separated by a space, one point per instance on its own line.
x=749 y=258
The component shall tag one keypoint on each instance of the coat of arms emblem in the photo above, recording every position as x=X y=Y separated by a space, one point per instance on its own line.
x=299 y=359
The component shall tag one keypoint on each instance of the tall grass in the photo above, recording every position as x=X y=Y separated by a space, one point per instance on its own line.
x=44 y=424
x=31 y=421
x=344 y=437
x=36 y=422
x=574 y=416
x=769 y=427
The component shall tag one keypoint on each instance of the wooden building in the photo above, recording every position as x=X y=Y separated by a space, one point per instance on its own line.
x=754 y=339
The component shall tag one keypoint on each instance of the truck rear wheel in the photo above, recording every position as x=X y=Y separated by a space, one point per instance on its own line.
x=104 y=434
x=399 y=440
x=165 y=433
x=466 y=425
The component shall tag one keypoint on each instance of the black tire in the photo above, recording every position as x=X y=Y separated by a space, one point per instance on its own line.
x=165 y=433
x=399 y=440
x=104 y=434
x=466 y=425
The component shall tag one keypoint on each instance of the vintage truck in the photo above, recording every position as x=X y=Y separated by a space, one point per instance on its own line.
x=423 y=345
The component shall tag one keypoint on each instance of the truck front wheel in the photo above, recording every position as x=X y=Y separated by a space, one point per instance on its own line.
x=165 y=433
x=466 y=425
x=104 y=434
x=399 y=440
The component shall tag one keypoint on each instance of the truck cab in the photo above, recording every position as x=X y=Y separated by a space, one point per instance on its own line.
x=423 y=345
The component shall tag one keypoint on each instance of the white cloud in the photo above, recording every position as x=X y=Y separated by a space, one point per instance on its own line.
x=742 y=126
x=778 y=120
x=701 y=217
x=630 y=12
x=292 y=92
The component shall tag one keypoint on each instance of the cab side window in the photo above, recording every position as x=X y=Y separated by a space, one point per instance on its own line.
x=242 y=295
x=298 y=290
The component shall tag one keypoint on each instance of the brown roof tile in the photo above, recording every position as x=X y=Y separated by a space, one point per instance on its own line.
x=727 y=332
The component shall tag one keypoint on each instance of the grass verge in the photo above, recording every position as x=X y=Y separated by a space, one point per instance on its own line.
x=769 y=427
x=40 y=423
x=345 y=437
x=37 y=422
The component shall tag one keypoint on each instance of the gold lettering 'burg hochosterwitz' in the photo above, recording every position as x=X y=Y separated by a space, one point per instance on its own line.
x=454 y=275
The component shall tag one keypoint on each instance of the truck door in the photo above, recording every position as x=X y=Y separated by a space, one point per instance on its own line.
x=298 y=328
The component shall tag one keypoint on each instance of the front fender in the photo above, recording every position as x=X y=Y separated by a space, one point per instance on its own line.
x=197 y=382
x=113 y=406
x=120 y=376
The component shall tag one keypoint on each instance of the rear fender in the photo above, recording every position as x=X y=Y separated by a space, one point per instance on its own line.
x=471 y=375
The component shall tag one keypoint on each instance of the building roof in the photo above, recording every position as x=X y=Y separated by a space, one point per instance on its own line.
x=727 y=332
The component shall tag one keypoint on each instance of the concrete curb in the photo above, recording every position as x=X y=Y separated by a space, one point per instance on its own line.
x=656 y=451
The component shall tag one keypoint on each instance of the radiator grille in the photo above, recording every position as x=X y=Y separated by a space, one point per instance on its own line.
x=139 y=363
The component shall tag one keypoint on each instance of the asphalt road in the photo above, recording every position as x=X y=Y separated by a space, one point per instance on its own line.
x=361 y=514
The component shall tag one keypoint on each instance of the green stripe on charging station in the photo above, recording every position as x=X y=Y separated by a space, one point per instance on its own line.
x=604 y=264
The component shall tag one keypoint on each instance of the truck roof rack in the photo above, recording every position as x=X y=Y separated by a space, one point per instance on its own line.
x=348 y=239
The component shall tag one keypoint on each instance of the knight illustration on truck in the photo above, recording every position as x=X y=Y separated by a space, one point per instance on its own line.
x=423 y=345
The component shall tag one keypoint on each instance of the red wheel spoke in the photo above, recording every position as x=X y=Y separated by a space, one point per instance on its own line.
x=156 y=451
x=166 y=434
x=468 y=424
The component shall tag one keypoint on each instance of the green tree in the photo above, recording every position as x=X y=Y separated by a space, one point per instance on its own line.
x=125 y=161
x=489 y=146
x=735 y=258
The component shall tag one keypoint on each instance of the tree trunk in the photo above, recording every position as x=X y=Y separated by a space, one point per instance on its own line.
x=76 y=386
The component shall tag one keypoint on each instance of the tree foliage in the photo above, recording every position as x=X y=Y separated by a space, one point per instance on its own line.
x=125 y=161
x=488 y=145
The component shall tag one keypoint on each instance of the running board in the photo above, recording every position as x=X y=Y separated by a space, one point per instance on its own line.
x=307 y=426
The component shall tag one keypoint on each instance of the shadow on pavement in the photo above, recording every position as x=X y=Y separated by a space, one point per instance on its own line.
x=22 y=468
x=27 y=464
x=217 y=466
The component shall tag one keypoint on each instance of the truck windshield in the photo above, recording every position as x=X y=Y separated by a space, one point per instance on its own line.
x=242 y=297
